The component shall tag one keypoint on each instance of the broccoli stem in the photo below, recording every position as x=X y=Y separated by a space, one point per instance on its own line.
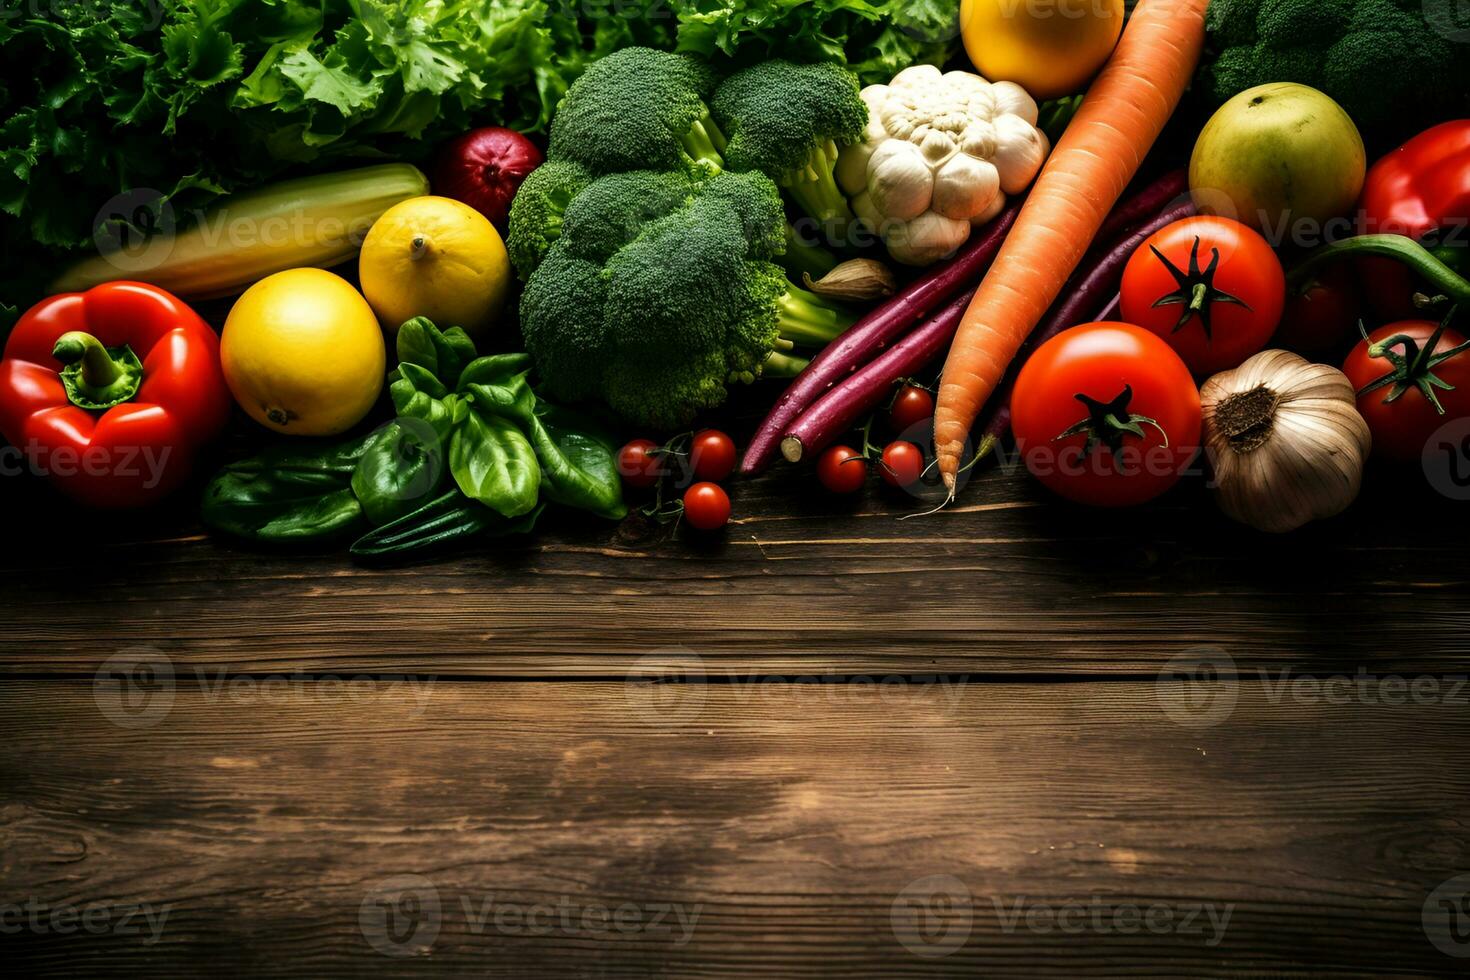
x=776 y=365
x=705 y=144
x=808 y=320
x=814 y=189
x=803 y=257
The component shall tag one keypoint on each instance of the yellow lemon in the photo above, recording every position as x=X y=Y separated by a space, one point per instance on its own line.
x=303 y=354
x=1050 y=48
x=434 y=257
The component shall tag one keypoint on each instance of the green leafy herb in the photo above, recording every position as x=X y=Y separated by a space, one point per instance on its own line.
x=288 y=493
x=492 y=462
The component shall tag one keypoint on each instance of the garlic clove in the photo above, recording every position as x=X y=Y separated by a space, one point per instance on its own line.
x=855 y=280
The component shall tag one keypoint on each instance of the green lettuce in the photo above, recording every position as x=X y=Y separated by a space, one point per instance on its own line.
x=109 y=108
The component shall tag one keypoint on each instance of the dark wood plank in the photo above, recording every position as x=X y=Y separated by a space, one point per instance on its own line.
x=796 y=827
x=1009 y=580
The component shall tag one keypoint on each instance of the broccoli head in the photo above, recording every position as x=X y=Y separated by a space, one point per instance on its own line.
x=787 y=121
x=655 y=314
x=638 y=109
x=538 y=209
x=1389 y=63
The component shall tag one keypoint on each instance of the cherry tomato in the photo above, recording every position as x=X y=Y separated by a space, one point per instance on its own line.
x=1323 y=315
x=706 y=506
x=1209 y=286
x=1402 y=426
x=712 y=454
x=637 y=465
x=903 y=464
x=1106 y=414
x=842 y=470
x=911 y=406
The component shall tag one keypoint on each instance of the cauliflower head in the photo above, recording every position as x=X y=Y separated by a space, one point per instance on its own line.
x=941 y=152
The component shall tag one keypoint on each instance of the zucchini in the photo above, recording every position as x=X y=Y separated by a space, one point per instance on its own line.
x=308 y=221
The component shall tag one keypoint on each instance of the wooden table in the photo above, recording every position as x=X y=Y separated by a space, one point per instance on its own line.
x=1012 y=738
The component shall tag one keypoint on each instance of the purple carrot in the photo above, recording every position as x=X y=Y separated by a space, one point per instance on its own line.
x=1145 y=204
x=1081 y=300
x=865 y=339
x=837 y=411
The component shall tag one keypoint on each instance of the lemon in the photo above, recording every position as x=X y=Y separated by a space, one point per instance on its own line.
x=434 y=257
x=302 y=353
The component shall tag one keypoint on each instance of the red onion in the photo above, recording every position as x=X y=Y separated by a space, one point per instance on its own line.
x=484 y=169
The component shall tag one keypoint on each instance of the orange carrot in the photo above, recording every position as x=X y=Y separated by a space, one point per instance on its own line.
x=1121 y=116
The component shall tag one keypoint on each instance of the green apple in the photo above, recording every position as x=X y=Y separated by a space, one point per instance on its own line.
x=1278 y=157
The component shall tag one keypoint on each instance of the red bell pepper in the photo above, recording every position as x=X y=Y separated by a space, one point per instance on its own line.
x=111 y=392
x=1422 y=191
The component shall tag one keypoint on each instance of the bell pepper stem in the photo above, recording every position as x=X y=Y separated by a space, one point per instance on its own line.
x=96 y=378
x=99 y=370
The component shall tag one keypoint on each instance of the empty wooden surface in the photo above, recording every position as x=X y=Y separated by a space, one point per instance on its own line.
x=791 y=830
x=994 y=741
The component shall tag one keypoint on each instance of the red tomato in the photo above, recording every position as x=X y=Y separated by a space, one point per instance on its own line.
x=706 y=506
x=903 y=464
x=1074 y=382
x=1321 y=316
x=637 y=465
x=911 y=406
x=1402 y=426
x=842 y=470
x=712 y=454
x=1209 y=286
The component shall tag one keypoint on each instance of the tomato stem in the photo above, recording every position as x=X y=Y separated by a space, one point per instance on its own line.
x=1414 y=368
x=1108 y=422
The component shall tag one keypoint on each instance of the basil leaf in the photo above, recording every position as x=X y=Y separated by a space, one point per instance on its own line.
x=443 y=353
x=412 y=377
x=292 y=492
x=578 y=463
x=496 y=369
x=400 y=471
x=492 y=462
x=449 y=518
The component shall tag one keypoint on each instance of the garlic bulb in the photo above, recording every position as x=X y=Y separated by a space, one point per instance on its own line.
x=1285 y=439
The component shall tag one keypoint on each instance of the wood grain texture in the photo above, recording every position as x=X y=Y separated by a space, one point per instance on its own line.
x=785 y=822
x=1008 y=581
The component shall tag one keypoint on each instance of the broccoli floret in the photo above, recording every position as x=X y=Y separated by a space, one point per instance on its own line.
x=638 y=109
x=538 y=210
x=613 y=209
x=655 y=315
x=788 y=121
x=1390 y=63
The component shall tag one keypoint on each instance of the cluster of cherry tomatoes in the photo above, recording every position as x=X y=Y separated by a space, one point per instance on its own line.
x=843 y=469
x=694 y=463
